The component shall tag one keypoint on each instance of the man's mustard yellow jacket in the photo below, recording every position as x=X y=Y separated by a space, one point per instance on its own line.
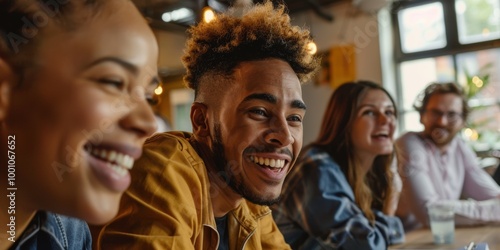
x=168 y=206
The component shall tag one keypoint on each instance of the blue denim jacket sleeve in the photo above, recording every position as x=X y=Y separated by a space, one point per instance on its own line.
x=318 y=211
x=55 y=232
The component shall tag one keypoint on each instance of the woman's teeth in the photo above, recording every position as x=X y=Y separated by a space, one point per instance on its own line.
x=268 y=162
x=119 y=162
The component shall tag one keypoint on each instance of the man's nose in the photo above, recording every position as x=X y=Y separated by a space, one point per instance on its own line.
x=279 y=133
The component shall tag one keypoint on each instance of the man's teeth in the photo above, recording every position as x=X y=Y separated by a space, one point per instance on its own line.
x=269 y=162
x=119 y=162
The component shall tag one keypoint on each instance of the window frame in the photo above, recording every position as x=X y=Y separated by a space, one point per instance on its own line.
x=452 y=47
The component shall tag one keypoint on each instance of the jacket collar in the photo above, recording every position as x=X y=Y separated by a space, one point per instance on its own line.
x=44 y=222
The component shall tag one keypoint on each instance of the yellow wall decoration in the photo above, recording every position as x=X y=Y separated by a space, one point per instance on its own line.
x=338 y=66
x=342 y=64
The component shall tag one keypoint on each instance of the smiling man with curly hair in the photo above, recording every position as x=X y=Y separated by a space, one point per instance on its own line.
x=210 y=189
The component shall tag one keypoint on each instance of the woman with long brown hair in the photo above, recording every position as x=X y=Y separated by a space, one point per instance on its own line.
x=342 y=192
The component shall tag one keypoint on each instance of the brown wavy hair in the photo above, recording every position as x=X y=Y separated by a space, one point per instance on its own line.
x=440 y=89
x=375 y=189
x=262 y=32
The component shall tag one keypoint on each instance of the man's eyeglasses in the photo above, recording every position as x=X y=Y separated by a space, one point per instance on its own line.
x=452 y=117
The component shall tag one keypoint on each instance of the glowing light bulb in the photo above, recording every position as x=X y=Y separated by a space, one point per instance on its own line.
x=312 y=48
x=158 y=90
x=208 y=15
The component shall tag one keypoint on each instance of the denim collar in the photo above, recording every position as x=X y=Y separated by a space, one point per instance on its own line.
x=47 y=223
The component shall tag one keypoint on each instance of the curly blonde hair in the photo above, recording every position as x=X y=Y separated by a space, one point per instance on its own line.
x=262 y=32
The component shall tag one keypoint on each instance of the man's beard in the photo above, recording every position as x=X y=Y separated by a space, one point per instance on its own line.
x=441 y=136
x=225 y=172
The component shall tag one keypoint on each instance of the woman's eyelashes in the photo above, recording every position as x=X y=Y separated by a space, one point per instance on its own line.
x=371 y=112
x=368 y=112
x=390 y=113
x=113 y=82
x=122 y=85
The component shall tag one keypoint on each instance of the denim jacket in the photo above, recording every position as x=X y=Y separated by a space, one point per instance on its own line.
x=54 y=232
x=318 y=210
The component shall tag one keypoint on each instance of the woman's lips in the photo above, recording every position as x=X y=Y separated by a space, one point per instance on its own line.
x=111 y=167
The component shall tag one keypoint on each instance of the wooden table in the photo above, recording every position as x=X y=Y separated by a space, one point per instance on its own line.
x=422 y=238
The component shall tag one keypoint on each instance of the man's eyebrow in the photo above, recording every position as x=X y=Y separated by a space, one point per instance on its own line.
x=273 y=100
x=128 y=66
x=299 y=104
x=261 y=96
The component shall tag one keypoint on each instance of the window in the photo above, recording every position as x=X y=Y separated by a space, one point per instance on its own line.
x=180 y=101
x=477 y=20
x=437 y=69
x=422 y=27
x=449 y=40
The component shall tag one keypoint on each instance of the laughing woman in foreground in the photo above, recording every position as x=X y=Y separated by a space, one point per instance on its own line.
x=343 y=192
x=74 y=81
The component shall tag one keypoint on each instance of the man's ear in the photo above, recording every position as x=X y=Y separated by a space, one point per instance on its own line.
x=6 y=83
x=199 y=119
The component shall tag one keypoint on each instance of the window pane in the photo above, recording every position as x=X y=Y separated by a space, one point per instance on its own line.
x=478 y=20
x=417 y=74
x=180 y=101
x=474 y=64
x=486 y=122
x=485 y=114
x=412 y=122
x=422 y=27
